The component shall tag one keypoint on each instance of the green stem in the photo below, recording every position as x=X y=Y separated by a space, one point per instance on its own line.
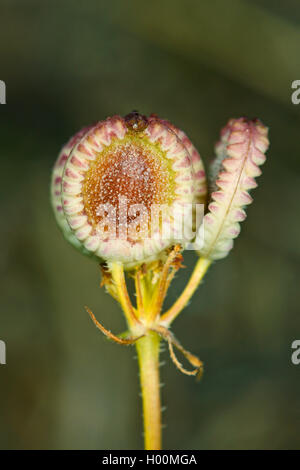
x=194 y=281
x=118 y=276
x=148 y=357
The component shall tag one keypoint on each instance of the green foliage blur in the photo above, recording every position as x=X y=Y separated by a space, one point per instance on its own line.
x=67 y=64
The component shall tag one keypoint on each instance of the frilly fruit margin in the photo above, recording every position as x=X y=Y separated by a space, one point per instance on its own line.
x=239 y=153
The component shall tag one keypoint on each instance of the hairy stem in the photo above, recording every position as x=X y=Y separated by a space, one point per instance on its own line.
x=195 y=279
x=148 y=357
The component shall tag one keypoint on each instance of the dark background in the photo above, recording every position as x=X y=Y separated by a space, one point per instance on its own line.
x=67 y=64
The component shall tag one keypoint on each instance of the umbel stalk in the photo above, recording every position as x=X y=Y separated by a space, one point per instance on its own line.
x=146 y=329
x=148 y=358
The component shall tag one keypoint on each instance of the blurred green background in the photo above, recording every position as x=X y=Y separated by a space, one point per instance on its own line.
x=67 y=64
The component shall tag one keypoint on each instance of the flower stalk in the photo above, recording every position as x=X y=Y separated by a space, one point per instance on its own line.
x=148 y=359
x=117 y=272
x=199 y=271
x=147 y=329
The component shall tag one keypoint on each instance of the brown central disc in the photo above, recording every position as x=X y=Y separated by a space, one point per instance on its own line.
x=130 y=170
